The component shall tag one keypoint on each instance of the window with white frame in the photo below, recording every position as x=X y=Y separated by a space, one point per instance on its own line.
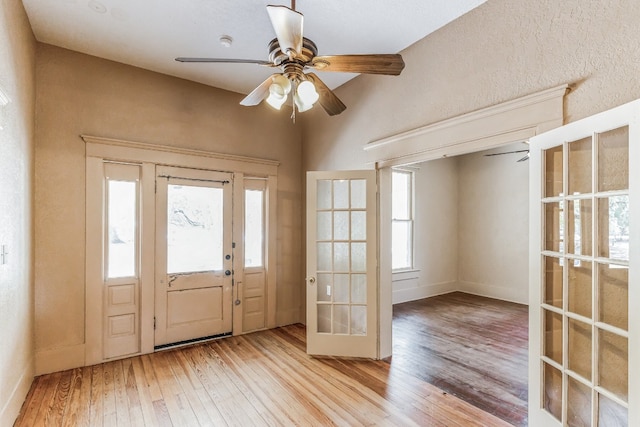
x=402 y=217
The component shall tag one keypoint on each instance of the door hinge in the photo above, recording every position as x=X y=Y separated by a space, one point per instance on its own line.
x=233 y=245
x=154 y=323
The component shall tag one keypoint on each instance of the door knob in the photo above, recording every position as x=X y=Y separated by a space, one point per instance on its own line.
x=311 y=280
x=227 y=273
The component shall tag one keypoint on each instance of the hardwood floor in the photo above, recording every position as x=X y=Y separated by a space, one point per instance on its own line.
x=472 y=347
x=265 y=378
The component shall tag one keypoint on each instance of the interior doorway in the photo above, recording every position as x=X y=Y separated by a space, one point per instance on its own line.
x=466 y=287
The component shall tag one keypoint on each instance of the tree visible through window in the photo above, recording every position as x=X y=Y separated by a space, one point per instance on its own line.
x=402 y=217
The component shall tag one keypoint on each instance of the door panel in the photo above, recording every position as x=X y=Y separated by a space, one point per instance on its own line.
x=193 y=254
x=342 y=263
x=584 y=248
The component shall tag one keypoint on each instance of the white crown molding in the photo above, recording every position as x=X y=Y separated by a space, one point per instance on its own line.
x=511 y=121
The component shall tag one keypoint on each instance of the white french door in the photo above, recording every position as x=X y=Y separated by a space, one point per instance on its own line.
x=342 y=301
x=193 y=289
x=584 y=272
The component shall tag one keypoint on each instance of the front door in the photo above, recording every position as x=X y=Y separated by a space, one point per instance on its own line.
x=342 y=300
x=193 y=254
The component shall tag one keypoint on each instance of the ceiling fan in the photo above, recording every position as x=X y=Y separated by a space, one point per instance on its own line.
x=293 y=54
x=524 y=159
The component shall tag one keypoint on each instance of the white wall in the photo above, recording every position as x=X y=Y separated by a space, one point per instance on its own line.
x=17 y=81
x=435 y=235
x=493 y=225
x=471 y=228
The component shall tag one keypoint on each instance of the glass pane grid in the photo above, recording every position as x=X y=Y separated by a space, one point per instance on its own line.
x=585 y=290
x=341 y=257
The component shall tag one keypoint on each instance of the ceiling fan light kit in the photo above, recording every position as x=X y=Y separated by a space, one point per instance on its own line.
x=294 y=54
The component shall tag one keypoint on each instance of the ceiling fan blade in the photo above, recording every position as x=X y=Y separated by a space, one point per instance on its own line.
x=388 y=64
x=258 y=94
x=329 y=101
x=287 y=24
x=227 y=61
x=507 y=152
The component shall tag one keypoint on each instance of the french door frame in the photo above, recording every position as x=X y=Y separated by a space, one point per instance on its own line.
x=625 y=115
x=100 y=150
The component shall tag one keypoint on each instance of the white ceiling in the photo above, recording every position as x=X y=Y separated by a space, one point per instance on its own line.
x=151 y=33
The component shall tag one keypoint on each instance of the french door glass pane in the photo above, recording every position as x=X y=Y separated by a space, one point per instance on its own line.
x=341 y=256
x=580 y=348
x=579 y=407
x=611 y=414
x=613 y=295
x=553 y=164
x=580 y=280
x=613 y=365
x=580 y=166
x=553 y=336
x=553 y=391
x=121 y=220
x=553 y=281
x=554 y=226
x=579 y=230
x=613 y=160
x=194 y=229
x=613 y=227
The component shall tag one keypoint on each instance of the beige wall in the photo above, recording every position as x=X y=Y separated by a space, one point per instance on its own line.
x=498 y=52
x=17 y=81
x=79 y=94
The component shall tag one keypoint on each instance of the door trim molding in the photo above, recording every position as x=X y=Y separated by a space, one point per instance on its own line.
x=511 y=121
x=101 y=149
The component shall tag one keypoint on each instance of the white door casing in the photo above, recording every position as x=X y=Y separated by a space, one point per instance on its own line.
x=342 y=271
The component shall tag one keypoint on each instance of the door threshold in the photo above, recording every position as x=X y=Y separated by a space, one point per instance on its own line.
x=191 y=341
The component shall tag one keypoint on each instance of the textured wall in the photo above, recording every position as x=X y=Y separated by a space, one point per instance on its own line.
x=80 y=94
x=17 y=71
x=499 y=51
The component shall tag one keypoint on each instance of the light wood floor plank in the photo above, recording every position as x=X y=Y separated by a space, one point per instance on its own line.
x=263 y=379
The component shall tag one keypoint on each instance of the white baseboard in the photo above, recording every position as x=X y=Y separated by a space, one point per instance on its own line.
x=420 y=292
x=520 y=296
x=59 y=359
x=11 y=408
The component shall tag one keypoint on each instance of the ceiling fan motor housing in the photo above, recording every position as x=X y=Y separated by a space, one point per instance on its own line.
x=292 y=67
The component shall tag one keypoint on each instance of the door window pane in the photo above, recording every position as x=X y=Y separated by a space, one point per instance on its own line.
x=579 y=231
x=553 y=391
x=580 y=280
x=253 y=228
x=340 y=319
x=554 y=226
x=553 y=164
x=341 y=225
x=358 y=320
x=194 y=229
x=613 y=295
x=324 y=226
x=358 y=225
x=613 y=159
x=121 y=220
x=358 y=194
x=580 y=166
x=580 y=348
x=578 y=404
x=553 y=281
x=611 y=414
x=613 y=227
x=613 y=366
x=323 y=198
x=553 y=336
x=341 y=194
